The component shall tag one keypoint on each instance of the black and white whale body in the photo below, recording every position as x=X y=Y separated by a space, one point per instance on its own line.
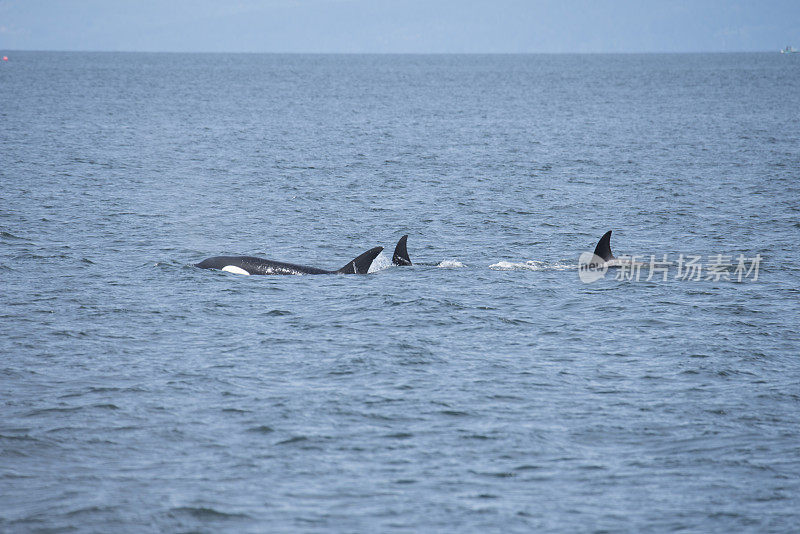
x=253 y=265
x=400 y=256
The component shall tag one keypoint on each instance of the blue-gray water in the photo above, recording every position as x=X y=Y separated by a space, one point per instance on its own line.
x=485 y=389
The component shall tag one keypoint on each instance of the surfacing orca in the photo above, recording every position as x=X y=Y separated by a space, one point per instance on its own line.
x=592 y=266
x=252 y=265
x=400 y=256
x=603 y=248
x=602 y=256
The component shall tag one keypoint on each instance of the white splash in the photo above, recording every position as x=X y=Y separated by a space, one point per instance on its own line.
x=514 y=266
x=380 y=263
x=451 y=264
x=531 y=265
x=561 y=266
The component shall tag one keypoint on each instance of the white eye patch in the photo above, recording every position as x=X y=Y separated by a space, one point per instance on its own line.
x=235 y=270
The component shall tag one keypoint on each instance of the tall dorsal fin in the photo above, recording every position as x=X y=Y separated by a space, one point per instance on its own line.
x=603 y=248
x=360 y=265
x=400 y=256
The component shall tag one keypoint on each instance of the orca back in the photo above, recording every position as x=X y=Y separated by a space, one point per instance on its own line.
x=360 y=265
x=253 y=265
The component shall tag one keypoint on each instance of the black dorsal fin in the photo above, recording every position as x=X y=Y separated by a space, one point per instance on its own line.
x=400 y=256
x=360 y=265
x=603 y=248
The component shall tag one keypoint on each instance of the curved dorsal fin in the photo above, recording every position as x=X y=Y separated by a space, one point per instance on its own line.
x=400 y=256
x=603 y=248
x=360 y=265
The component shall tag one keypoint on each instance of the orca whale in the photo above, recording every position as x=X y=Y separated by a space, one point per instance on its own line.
x=603 y=248
x=592 y=266
x=253 y=265
x=400 y=256
x=602 y=256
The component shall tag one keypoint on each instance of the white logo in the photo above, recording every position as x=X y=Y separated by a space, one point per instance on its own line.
x=591 y=267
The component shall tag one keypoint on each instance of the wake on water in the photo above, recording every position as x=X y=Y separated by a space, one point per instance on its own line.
x=450 y=264
x=383 y=262
x=533 y=265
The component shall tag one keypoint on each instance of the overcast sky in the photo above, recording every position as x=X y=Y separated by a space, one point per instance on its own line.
x=417 y=26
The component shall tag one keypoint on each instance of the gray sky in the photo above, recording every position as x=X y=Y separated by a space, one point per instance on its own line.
x=417 y=26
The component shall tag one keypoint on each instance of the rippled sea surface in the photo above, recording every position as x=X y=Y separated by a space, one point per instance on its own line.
x=485 y=388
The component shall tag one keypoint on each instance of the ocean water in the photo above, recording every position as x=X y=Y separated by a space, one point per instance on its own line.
x=485 y=388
